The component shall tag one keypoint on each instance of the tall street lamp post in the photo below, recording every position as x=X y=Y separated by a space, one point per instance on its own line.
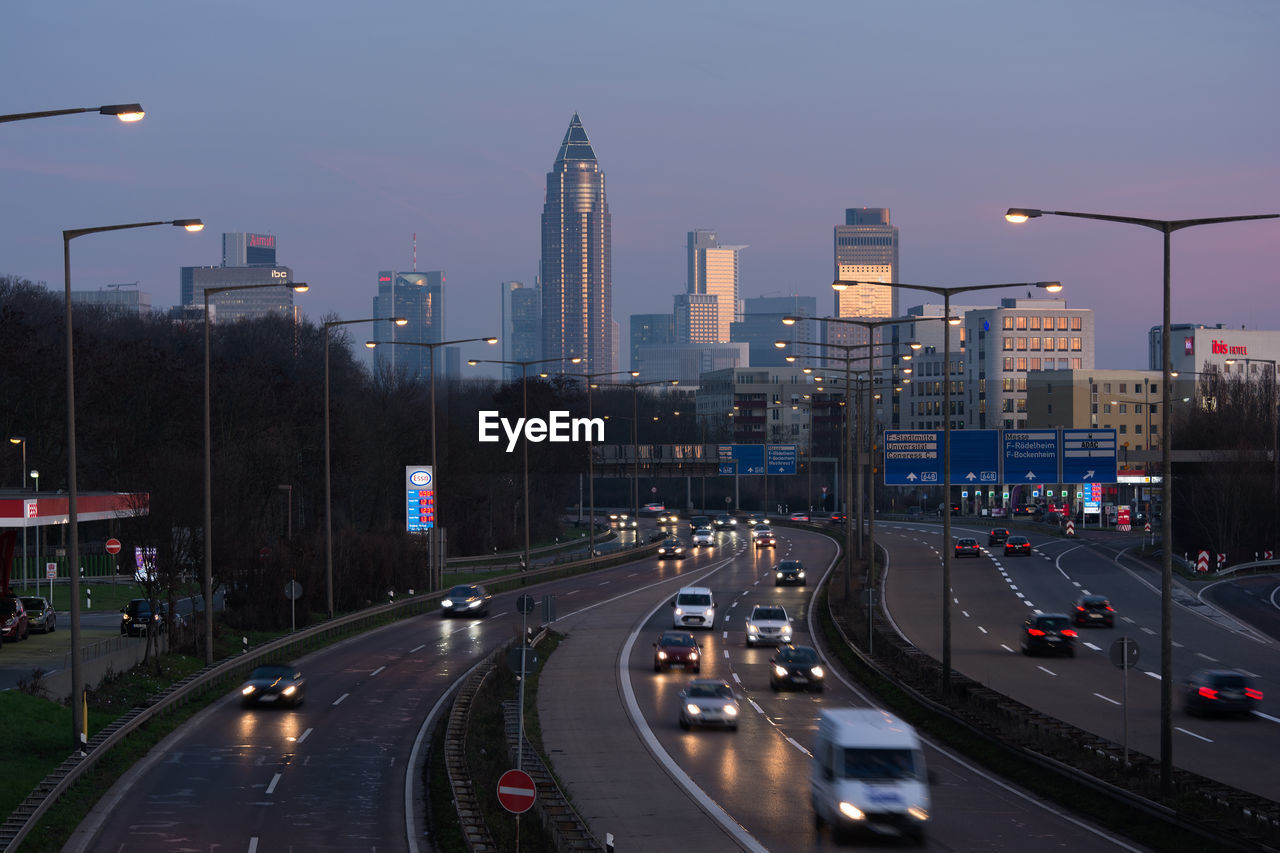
x=18 y=439
x=79 y=735
x=946 y=293
x=635 y=444
x=524 y=413
x=1166 y=227
x=328 y=456
x=298 y=287
x=124 y=112
x=436 y=579
x=590 y=378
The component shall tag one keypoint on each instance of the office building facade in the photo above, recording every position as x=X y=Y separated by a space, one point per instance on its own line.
x=521 y=325
x=239 y=304
x=577 y=275
x=650 y=330
x=243 y=249
x=419 y=298
x=866 y=249
x=713 y=271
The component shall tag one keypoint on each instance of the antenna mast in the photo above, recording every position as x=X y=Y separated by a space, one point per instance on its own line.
x=415 y=251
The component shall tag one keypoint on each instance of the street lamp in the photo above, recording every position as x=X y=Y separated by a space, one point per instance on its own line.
x=79 y=735
x=18 y=439
x=946 y=293
x=124 y=112
x=635 y=445
x=436 y=579
x=524 y=413
x=1166 y=227
x=328 y=457
x=591 y=457
x=298 y=287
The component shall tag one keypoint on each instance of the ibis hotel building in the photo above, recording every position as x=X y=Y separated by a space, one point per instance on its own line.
x=1197 y=349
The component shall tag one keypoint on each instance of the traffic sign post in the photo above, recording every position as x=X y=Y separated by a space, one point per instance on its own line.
x=1088 y=456
x=516 y=791
x=112 y=546
x=1124 y=654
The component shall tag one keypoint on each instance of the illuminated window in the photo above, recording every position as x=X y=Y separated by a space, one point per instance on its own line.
x=1077 y=323
x=1020 y=323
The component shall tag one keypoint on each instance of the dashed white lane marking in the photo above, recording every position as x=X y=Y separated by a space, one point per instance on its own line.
x=604 y=583
x=1154 y=675
x=1193 y=734
x=1006 y=648
x=1267 y=717
x=1020 y=595
x=737 y=678
x=966 y=613
x=1051 y=672
x=338 y=701
x=759 y=710
x=983 y=630
x=1092 y=646
x=275 y=780
x=1144 y=629
x=418 y=649
x=304 y=735
x=1028 y=603
x=253 y=844
x=1248 y=673
x=1106 y=699
x=1206 y=657
x=726 y=654
x=376 y=671
x=1077 y=584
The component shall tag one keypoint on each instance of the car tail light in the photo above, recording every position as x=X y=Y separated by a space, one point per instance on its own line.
x=1067 y=632
x=1035 y=632
x=1253 y=694
x=1208 y=692
x=1110 y=609
x=1080 y=607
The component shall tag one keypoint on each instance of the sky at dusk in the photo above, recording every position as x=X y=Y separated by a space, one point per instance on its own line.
x=345 y=128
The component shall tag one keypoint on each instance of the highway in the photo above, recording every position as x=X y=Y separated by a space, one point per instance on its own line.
x=993 y=594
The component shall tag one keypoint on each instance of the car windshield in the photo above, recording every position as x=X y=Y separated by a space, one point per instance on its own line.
x=1055 y=622
x=800 y=655
x=769 y=613
x=34 y=603
x=1095 y=603
x=462 y=592
x=685 y=640
x=8 y=606
x=789 y=566
x=968 y=543
x=273 y=671
x=671 y=543
x=879 y=764
x=709 y=691
x=704 y=531
x=694 y=599
x=1230 y=681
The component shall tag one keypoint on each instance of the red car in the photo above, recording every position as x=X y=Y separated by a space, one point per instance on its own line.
x=764 y=538
x=676 y=650
x=1017 y=545
x=14 y=624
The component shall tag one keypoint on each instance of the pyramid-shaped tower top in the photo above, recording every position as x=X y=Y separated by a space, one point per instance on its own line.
x=576 y=146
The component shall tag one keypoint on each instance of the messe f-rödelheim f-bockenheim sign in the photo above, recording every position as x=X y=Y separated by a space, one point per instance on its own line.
x=1030 y=456
x=1088 y=456
x=420 y=498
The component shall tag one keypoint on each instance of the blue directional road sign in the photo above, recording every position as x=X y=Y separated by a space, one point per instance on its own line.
x=1030 y=456
x=749 y=459
x=1089 y=456
x=912 y=457
x=975 y=456
x=782 y=459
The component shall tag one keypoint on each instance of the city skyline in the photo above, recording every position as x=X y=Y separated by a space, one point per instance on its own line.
x=754 y=127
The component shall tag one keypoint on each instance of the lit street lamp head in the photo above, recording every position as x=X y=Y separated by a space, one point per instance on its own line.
x=1018 y=215
x=124 y=112
x=192 y=225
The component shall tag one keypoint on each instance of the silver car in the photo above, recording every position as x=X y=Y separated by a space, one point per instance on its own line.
x=708 y=702
x=768 y=623
x=40 y=614
x=702 y=536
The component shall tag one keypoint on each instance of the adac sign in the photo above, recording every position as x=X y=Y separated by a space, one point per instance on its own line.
x=1224 y=348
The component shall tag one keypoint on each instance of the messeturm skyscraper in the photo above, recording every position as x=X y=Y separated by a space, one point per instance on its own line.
x=577 y=277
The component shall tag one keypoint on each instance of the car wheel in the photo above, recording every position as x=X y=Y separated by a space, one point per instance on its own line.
x=1071 y=652
x=733 y=728
x=684 y=724
x=1026 y=650
x=657 y=667
x=698 y=668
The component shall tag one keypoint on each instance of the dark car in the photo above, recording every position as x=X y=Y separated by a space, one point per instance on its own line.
x=997 y=536
x=40 y=614
x=1048 y=632
x=699 y=521
x=1220 y=691
x=764 y=537
x=796 y=667
x=724 y=521
x=467 y=599
x=273 y=684
x=837 y=518
x=137 y=618
x=789 y=572
x=671 y=549
x=13 y=619
x=955 y=509
x=1017 y=545
x=676 y=650
x=967 y=547
x=1093 y=610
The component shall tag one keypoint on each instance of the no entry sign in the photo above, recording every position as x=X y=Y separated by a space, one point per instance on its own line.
x=113 y=546
x=516 y=791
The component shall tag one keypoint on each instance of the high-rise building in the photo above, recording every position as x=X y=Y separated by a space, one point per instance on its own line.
x=419 y=298
x=243 y=304
x=761 y=325
x=248 y=250
x=521 y=325
x=650 y=330
x=577 y=275
x=713 y=270
x=697 y=318
x=866 y=249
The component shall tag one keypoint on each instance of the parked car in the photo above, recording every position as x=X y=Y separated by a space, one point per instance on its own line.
x=137 y=618
x=764 y=537
x=789 y=572
x=14 y=624
x=1220 y=691
x=796 y=667
x=40 y=614
x=1048 y=632
x=708 y=702
x=273 y=684
x=703 y=537
x=967 y=547
x=997 y=536
x=671 y=549
x=1017 y=545
x=1093 y=610
x=467 y=599
x=768 y=623
x=676 y=650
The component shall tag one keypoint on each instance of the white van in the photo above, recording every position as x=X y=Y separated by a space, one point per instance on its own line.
x=868 y=774
x=694 y=607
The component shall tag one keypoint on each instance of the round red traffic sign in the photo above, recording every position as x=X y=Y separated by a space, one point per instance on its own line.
x=113 y=546
x=516 y=791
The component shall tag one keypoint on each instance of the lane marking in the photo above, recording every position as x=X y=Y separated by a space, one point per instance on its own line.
x=275 y=780
x=1106 y=699
x=418 y=649
x=1193 y=734
x=1095 y=648
x=1028 y=603
x=304 y=735
x=1206 y=657
x=376 y=671
x=983 y=630
x=1006 y=648
x=338 y=701
x=966 y=613
x=1267 y=717
x=253 y=844
x=1051 y=672
x=1154 y=675
x=1144 y=629
x=737 y=678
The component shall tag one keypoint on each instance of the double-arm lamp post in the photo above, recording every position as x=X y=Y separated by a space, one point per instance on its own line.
x=437 y=573
x=73 y=536
x=328 y=456
x=124 y=112
x=1018 y=215
x=947 y=375
x=524 y=413
x=590 y=380
x=297 y=287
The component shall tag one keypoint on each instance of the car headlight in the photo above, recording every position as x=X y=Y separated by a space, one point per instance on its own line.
x=693 y=655
x=473 y=604
x=662 y=655
x=751 y=629
x=780 y=671
x=124 y=617
x=446 y=602
x=817 y=672
x=779 y=574
x=800 y=574
x=290 y=690
x=679 y=611
x=248 y=690
x=786 y=635
x=731 y=710
x=692 y=710
x=851 y=811
x=918 y=813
